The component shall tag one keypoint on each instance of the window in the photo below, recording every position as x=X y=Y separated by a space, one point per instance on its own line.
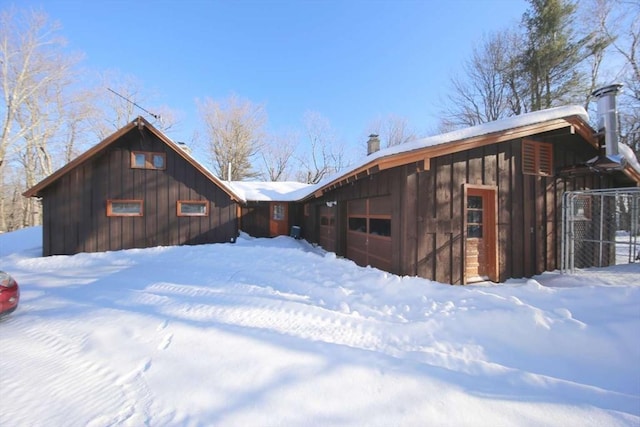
x=124 y=207
x=380 y=227
x=278 y=212
x=358 y=224
x=371 y=216
x=581 y=208
x=537 y=158
x=192 y=208
x=474 y=216
x=147 y=160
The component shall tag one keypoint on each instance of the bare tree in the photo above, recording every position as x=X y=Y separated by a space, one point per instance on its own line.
x=36 y=75
x=276 y=156
x=392 y=130
x=325 y=155
x=488 y=88
x=234 y=132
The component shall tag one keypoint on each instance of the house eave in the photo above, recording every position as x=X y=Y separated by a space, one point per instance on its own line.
x=139 y=122
x=422 y=156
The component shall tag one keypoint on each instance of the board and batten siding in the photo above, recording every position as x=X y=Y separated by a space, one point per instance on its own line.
x=427 y=221
x=528 y=210
x=74 y=207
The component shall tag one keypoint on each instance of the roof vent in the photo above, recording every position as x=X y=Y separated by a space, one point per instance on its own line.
x=373 y=144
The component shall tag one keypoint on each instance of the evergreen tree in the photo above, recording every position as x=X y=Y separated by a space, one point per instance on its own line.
x=551 y=58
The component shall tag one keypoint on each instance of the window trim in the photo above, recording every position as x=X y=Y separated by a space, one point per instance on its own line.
x=148 y=160
x=537 y=158
x=111 y=213
x=179 y=204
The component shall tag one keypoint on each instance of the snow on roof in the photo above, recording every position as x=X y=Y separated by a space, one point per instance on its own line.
x=295 y=191
x=462 y=134
x=628 y=154
x=482 y=129
x=269 y=191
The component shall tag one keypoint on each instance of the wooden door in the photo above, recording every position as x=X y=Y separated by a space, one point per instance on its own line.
x=279 y=219
x=480 y=235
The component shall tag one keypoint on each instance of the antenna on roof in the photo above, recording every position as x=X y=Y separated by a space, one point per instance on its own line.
x=155 y=116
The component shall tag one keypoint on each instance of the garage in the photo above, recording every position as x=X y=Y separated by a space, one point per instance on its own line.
x=369 y=232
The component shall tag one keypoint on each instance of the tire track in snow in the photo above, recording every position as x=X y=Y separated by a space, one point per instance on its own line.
x=58 y=359
x=105 y=397
x=269 y=314
x=267 y=310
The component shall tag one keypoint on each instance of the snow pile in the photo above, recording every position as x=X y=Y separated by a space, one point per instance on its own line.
x=278 y=332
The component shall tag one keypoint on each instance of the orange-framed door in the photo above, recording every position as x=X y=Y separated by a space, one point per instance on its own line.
x=279 y=219
x=481 y=249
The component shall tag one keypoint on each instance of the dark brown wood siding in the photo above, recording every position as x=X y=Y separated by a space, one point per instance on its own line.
x=74 y=207
x=427 y=208
x=255 y=218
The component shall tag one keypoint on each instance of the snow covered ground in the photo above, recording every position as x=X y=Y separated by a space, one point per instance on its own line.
x=270 y=332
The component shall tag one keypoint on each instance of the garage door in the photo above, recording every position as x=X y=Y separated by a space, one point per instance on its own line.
x=328 y=228
x=369 y=232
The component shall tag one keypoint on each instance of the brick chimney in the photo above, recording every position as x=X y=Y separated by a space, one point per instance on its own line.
x=373 y=144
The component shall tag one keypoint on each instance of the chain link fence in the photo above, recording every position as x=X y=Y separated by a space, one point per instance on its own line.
x=600 y=228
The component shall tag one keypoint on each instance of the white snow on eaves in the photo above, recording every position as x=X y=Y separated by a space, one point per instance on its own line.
x=463 y=134
x=486 y=129
x=628 y=154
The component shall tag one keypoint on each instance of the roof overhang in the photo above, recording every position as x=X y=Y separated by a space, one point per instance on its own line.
x=422 y=156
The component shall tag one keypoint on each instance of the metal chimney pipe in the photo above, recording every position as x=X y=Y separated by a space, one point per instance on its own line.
x=608 y=116
x=373 y=144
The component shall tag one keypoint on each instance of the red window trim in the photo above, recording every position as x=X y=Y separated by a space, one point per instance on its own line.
x=192 y=202
x=110 y=212
x=148 y=160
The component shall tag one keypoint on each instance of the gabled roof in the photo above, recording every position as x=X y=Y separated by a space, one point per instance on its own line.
x=573 y=117
x=93 y=151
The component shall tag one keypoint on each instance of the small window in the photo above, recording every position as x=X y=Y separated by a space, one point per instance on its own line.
x=139 y=160
x=474 y=217
x=581 y=207
x=537 y=158
x=124 y=207
x=147 y=160
x=192 y=208
x=380 y=227
x=158 y=161
x=278 y=212
x=358 y=224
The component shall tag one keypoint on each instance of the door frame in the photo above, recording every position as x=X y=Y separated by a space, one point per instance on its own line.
x=489 y=194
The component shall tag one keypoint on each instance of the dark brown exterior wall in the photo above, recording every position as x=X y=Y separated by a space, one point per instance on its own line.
x=256 y=217
x=74 y=207
x=427 y=222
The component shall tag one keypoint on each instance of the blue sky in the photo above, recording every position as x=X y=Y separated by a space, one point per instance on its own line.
x=351 y=61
